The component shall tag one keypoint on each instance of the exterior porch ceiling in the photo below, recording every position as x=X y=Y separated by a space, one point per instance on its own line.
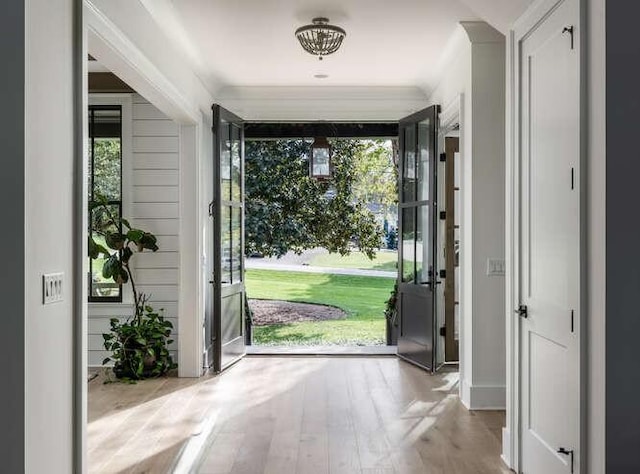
x=251 y=43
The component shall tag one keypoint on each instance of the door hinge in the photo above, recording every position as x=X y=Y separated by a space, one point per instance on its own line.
x=443 y=215
x=443 y=274
x=443 y=157
x=572 y=319
x=211 y=208
x=566 y=452
x=522 y=311
x=443 y=331
x=569 y=29
x=573 y=179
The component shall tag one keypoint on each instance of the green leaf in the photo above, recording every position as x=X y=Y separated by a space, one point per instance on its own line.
x=126 y=255
x=112 y=267
x=115 y=240
x=107 y=360
x=134 y=235
x=148 y=241
x=123 y=277
x=125 y=222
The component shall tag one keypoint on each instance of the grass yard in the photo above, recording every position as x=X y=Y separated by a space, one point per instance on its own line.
x=363 y=298
x=384 y=260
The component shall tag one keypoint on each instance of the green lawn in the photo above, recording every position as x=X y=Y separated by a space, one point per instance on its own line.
x=384 y=260
x=363 y=298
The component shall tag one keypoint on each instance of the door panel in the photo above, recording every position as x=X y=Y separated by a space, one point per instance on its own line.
x=417 y=272
x=550 y=252
x=228 y=225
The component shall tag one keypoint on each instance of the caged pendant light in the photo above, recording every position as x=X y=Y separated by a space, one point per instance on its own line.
x=320 y=38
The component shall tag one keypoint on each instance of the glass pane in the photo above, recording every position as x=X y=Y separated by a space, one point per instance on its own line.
x=106 y=161
x=236 y=170
x=225 y=161
x=409 y=166
x=424 y=244
x=225 y=244
x=236 y=254
x=102 y=221
x=320 y=162
x=424 y=170
x=408 y=244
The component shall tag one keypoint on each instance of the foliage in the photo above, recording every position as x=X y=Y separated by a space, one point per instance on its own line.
x=391 y=308
x=376 y=176
x=106 y=168
x=139 y=344
x=361 y=297
x=287 y=210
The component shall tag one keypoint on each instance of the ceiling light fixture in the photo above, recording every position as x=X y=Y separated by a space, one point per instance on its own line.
x=320 y=38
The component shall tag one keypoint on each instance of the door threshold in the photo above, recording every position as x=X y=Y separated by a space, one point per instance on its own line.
x=323 y=350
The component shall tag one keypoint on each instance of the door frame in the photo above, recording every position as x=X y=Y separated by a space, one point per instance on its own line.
x=452 y=117
x=523 y=27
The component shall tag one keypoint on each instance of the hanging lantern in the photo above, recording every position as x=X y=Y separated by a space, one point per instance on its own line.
x=320 y=163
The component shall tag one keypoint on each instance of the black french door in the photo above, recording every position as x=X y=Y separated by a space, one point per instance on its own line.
x=417 y=272
x=227 y=211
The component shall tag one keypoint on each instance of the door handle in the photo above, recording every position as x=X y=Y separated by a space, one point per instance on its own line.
x=566 y=452
x=522 y=311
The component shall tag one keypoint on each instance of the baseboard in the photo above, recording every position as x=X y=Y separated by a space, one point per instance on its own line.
x=483 y=397
x=506 y=447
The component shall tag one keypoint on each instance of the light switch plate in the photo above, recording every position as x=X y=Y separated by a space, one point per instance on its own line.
x=495 y=267
x=52 y=288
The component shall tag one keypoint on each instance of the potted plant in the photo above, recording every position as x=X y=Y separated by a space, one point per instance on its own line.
x=139 y=344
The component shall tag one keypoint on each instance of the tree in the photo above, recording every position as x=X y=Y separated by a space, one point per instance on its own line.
x=287 y=210
x=376 y=175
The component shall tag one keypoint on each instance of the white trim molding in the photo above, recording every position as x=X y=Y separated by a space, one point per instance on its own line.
x=120 y=55
x=190 y=313
x=451 y=115
x=482 y=397
x=510 y=440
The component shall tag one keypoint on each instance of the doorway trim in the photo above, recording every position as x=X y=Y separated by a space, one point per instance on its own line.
x=117 y=52
x=522 y=28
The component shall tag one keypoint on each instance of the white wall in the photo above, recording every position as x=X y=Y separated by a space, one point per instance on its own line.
x=475 y=70
x=154 y=177
x=49 y=210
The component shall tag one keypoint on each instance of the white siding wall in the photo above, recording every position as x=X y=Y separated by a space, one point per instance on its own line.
x=154 y=207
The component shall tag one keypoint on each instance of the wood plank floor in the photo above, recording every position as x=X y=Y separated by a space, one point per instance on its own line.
x=288 y=415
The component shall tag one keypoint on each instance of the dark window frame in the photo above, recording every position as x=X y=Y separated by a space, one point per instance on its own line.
x=92 y=138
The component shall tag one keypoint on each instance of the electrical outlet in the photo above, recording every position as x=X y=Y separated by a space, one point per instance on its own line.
x=52 y=288
x=495 y=267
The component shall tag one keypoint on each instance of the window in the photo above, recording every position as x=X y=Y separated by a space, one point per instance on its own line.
x=105 y=180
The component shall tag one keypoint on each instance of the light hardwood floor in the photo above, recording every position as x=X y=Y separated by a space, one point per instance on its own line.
x=288 y=415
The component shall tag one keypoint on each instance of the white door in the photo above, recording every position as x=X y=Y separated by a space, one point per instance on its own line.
x=550 y=245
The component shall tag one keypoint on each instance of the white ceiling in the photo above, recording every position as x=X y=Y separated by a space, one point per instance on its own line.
x=252 y=42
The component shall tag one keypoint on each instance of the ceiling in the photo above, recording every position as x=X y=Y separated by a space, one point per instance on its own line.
x=252 y=42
